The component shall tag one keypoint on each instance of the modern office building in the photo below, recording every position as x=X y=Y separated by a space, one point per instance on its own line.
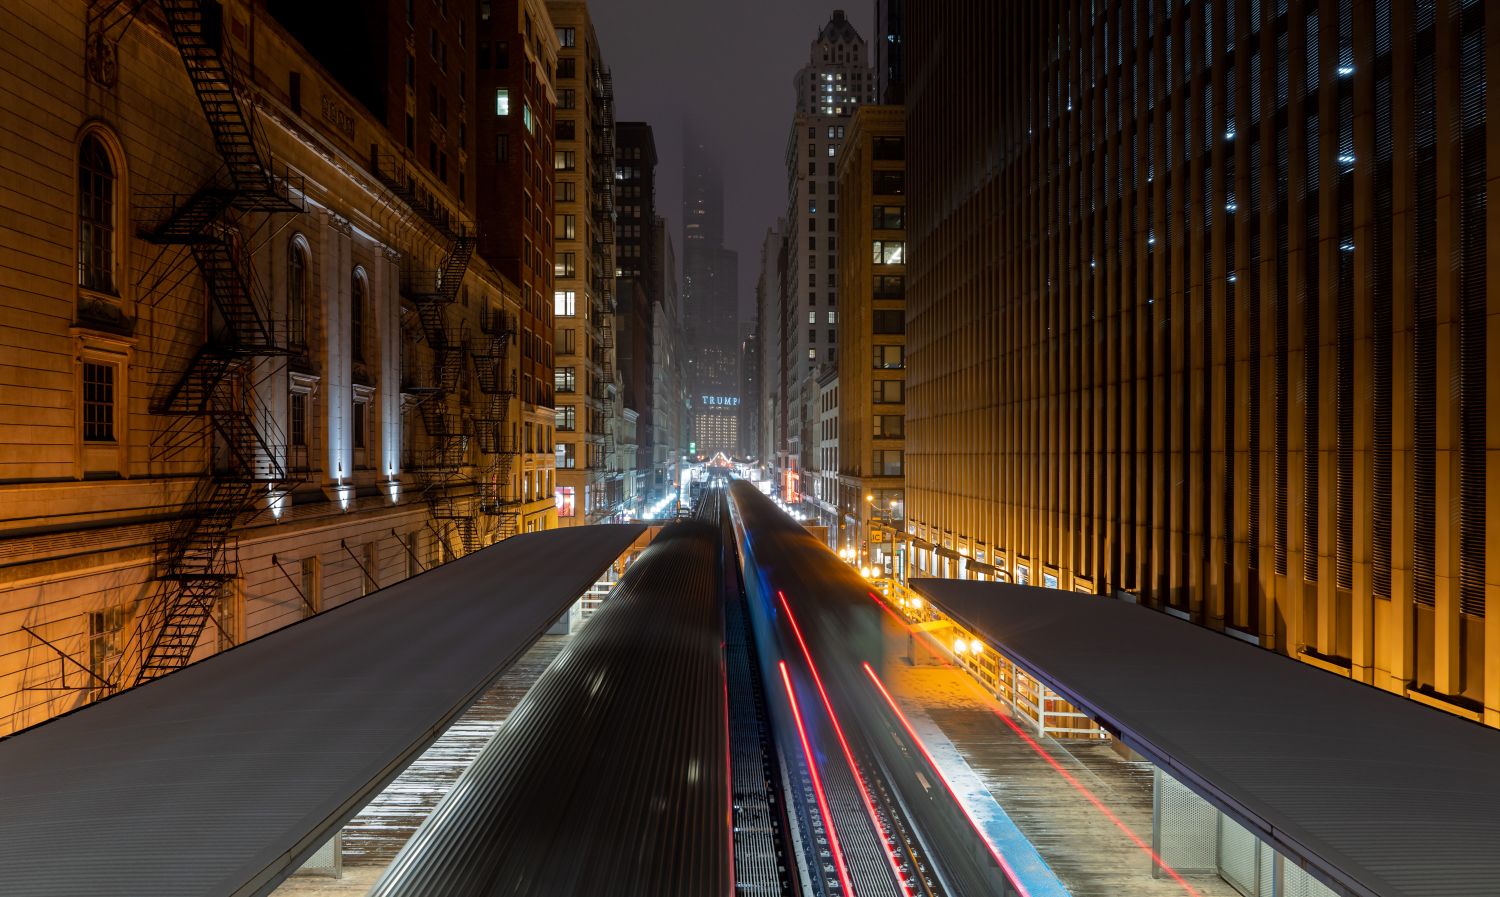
x=751 y=400
x=768 y=332
x=589 y=487
x=890 y=52
x=637 y=279
x=1198 y=314
x=836 y=80
x=514 y=48
x=872 y=334
x=229 y=348
x=669 y=419
x=710 y=301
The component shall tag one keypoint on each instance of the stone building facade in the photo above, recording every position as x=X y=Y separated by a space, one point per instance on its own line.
x=247 y=373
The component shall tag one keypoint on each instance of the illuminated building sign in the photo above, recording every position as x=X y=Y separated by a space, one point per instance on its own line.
x=719 y=401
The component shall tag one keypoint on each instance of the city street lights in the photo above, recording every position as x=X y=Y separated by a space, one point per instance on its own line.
x=887 y=516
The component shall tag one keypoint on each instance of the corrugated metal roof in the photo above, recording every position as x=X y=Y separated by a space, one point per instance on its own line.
x=1380 y=795
x=219 y=779
x=610 y=777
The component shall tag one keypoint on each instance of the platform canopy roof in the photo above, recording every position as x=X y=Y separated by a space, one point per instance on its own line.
x=1374 y=793
x=220 y=779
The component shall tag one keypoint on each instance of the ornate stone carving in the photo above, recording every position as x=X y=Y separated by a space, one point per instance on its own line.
x=100 y=60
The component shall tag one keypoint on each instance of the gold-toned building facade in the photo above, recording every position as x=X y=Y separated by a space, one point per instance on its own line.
x=251 y=367
x=587 y=394
x=1199 y=313
x=872 y=332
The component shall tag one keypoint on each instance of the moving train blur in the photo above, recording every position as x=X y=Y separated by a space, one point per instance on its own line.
x=882 y=818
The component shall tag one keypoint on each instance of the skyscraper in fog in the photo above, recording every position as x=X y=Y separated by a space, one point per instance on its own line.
x=710 y=301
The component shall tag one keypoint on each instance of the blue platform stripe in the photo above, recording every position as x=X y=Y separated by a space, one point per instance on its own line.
x=1034 y=876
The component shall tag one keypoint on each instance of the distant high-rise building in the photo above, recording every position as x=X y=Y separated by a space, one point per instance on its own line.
x=669 y=415
x=710 y=302
x=835 y=82
x=637 y=281
x=768 y=330
x=890 y=51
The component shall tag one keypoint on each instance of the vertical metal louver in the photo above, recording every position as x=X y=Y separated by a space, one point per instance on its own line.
x=1424 y=317
x=1282 y=375
x=1380 y=316
x=1310 y=301
x=1346 y=251
x=1252 y=305
x=1472 y=313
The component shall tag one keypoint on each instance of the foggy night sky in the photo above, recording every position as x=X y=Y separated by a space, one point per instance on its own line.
x=729 y=64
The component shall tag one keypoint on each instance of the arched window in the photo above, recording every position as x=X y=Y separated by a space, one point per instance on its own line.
x=296 y=295
x=96 y=216
x=358 y=298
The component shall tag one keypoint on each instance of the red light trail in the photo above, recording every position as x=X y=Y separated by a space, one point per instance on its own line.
x=817 y=780
x=838 y=729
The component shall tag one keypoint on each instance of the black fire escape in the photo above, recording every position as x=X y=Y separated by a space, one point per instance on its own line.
x=441 y=471
x=497 y=497
x=609 y=486
x=217 y=388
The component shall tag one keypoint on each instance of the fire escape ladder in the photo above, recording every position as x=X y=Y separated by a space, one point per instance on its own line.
x=193 y=562
x=198 y=40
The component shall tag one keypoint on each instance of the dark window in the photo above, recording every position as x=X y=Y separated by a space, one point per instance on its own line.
x=96 y=217
x=890 y=286
x=361 y=423
x=98 y=402
x=502 y=147
x=890 y=321
x=299 y=419
x=296 y=296
x=889 y=218
x=357 y=318
x=889 y=183
x=890 y=148
x=567 y=67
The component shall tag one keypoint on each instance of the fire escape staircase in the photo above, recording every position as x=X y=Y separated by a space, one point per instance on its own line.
x=193 y=562
x=496 y=496
x=441 y=472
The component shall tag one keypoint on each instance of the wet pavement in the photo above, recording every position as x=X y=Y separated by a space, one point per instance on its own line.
x=1089 y=852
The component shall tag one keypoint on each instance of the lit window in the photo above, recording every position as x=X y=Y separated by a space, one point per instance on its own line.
x=502 y=101
x=565 y=303
x=567 y=500
x=889 y=252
